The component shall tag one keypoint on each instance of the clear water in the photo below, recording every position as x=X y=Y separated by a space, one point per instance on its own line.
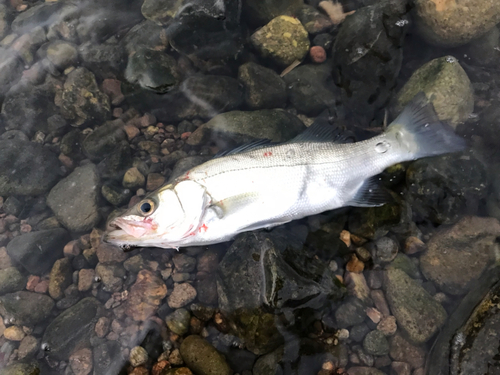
x=103 y=103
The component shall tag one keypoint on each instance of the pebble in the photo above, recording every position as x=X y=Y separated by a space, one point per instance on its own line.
x=182 y=295
x=145 y=296
x=202 y=357
x=355 y=265
x=112 y=88
x=403 y=351
x=175 y=358
x=138 y=356
x=388 y=325
x=107 y=253
x=154 y=181
x=385 y=250
x=208 y=261
x=14 y=333
x=380 y=302
x=61 y=277
x=28 y=347
x=400 y=368
x=184 y=263
x=178 y=321
x=414 y=245
x=374 y=315
x=72 y=249
x=81 y=361
x=133 y=179
x=318 y=54
x=132 y=131
x=102 y=326
x=86 y=278
x=375 y=343
x=5 y=261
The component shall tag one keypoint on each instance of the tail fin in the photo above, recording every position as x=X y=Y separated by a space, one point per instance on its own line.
x=419 y=130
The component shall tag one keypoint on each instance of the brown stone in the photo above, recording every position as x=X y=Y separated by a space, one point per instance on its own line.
x=160 y=367
x=182 y=295
x=95 y=237
x=388 y=325
x=356 y=285
x=102 y=326
x=414 y=245
x=5 y=261
x=86 y=278
x=81 y=362
x=14 y=333
x=112 y=88
x=33 y=281
x=72 y=249
x=355 y=265
x=380 y=302
x=132 y=131
x=401 y=350
x=108 y=253
x=154 y=181
x=145 y=296
x=28 y=347
x=400 y=368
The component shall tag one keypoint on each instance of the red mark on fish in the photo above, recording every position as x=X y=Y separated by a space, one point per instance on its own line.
x=204 y=227
x=266 y=154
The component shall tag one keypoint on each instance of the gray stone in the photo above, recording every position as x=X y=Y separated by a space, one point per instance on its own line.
x=161 y=11
x=26 y=168
x=404 y=263
x=104 y=140
x=11 y=280
x=105 y=60
x=74 y=200
x=350 y=313
x=417 y=313
x=26 y=308
x=264 y=88
x=375 y=343
x=184 y=263
x=261 y=12
x=108 y=358
x=268 y=364
x=12 y=68
x=146 y=34
x=384 y=250
x=37 y=251
x=44 y=13
x=71 y=329
x=111 y=276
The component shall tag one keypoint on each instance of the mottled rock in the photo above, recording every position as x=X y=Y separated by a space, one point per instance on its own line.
x=81 y=361
x=71 y=329
x=62 y=54
x=182 y=295
x=206 y=288
x=86 y=278
x=138 y=356
x=178 y=321
x=269 y=363
x=28 y=347
x=417 y=313
x=11 y=280
x=61 y=277
x=202 y=357
x=402 y=350
x=26 y=168
x=31 y=368
x=14 y=333
x=108 y=358
x=284 y=40
x=107 y=253
x=104 y=140
x=458 y=256
x=350 y=313
x=37 y=251
x=375 y=343
x=26 y=308
x=111 y=275
x=74 y=200
x=404 y=263
x=133 y=179
x=146 y=34
x=184 y=263
x=145 y=296
x=441 y=22
x=446 y=85
x=264 y=88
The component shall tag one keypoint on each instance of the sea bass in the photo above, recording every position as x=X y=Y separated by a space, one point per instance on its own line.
x=263 y=185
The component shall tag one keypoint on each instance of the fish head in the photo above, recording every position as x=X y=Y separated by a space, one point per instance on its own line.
x=163 y=218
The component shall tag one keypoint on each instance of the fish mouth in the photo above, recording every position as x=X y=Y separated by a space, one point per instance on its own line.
x=120 y=227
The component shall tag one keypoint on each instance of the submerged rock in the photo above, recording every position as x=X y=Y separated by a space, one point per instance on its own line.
x=458 y=256
x=244 y=126
x=26 y=308
x=37 y=251
x=261 y=12
x=11 y=280
x=145 y=296
x=283 y=40
x=74 y=200
x=442 y=22
x=418 y=314
x=104 y=140
x=446 y=85
x=31 y=368
x=146 y=34
x=202 y=357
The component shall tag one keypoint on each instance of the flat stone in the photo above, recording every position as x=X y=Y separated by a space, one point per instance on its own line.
x=11 y=280
x=182 y=295
x=202 y=357
x=26 y=308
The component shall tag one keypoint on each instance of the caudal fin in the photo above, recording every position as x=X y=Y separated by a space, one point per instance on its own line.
x=420 y=132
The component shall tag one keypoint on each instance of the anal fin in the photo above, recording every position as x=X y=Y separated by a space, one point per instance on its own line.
x=371 y=194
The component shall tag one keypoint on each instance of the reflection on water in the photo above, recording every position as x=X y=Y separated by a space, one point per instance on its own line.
x=104 y=102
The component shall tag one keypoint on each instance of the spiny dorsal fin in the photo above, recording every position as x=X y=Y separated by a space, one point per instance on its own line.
x=371 y=194
x=245 y=147
x=322 y=131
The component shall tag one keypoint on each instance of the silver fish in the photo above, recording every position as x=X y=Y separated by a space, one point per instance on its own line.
x=269 y=185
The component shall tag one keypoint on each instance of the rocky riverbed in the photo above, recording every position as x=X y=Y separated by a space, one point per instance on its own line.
x=102 y=102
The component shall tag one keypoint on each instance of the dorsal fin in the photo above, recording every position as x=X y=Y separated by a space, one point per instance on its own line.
x=323 y=131
x=245 y=147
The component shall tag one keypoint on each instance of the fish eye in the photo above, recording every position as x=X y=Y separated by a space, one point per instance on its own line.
x=146 y=207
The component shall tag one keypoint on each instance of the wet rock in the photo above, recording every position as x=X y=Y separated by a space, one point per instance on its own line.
x=62 y=54
x=116 y=195
x=138 y=356
x=146 y=34
x=13 y=206
x=61 y=277
x=459 y=255
x=202 y=357
x=37 y=251
x=4 y=21
x=417 y=313
x=154 y=181
x=81 y=100
x=441 y=188
x=40 y=14
x=314 y=22
x=358 y=332
x=269 y=363
x=264 y=88
x=359 y=370
x=367 y=55
x=28 y=347
x=375 y=343
x=11 y=280
x=71 y=329
x=108 y=358
x=152 y=70
x=28 y=107
x=133 y=179
x=206 y=288
x=357 y=286
x=85 y=279
x=81 y=361
x=26 y=308
x=12 y=68
x=182 y=295
x=384 y=250
x=106 y=60
x=26 y=168
x=111 y=275
x=259 y=13
x=178 y=321
x=404 y=263
x=134 y=264
x=402 y=350
x=350 y=313
x=14 y=333
x=145 y=296
x=317 y=54
x=309 y=88
x=108 y=253
x=244 y=126
x=184 y=263
x=441 y=23
x=160 y=12
x=447 y=86
x=31 y=368
x=104 y=140
x=283 y=40
x=74 y=200
x=114 y=165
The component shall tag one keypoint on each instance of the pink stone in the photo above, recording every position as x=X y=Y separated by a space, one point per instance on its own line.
x=131 y=131
x=112 y=88
x=32 y=282
x=318 y=54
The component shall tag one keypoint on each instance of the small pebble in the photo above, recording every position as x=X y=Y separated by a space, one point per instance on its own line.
x=14 y=333
x=414 y=245
x=81 y=361
x=182 y=295
x=33 y=281
x=71 y=249
x=138 y=356
x=388 y=325
x=355 y=265
x=374 y=315
x=345 y=236
x=343 y=334
x=175 y=358
x=318 y=54
x=131 y=131
x=400 y=368
x=102 y=326
x=28 y=347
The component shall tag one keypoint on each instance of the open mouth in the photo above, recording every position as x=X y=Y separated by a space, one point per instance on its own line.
x=134 y=228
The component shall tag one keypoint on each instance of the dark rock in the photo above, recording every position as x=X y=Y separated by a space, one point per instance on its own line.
x=160 y=12
x=16 y=135
x=269 y=363
x=74 y=199
x=26 y=308
x=350 y=313
x=28 y=107
x=104 y=140
x=4 y=20
x=314 y=21
x=56 y=125
x=11 y=280
x=12 y=206
x=324 y=40
x=81 y=100
x=41 y=14
x=12 y=68
x=384 y=250
x=367 y=56
x=114 y=165
x=375 y=343
x=111 y=275
x=264 y=88
x=417 y=313
x=152 y=70
x=71 y=330
x=20 y=368
x=206 y=288
x=240 y=360
x=71 y=143
x=108 y=358
x=184 y=263
x=202 y=357
x=358 y=332
x=146 y=34
x=116 y=195
x=443 y=187
x=310 y=88
x=458 y=256
x=402 y=350
x=106 y=60
x=259 y=13
x=61 y=54
x=244 y=126
x=404 y=263
x=361 y=370
x=37 y=251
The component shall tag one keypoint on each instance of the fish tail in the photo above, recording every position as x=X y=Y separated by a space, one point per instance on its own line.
x=419 y=132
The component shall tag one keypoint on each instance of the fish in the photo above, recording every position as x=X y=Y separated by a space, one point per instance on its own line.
x=263 y=185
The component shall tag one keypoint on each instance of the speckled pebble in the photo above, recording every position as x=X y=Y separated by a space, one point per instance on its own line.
x=182 y=295
x=14 y=333
x=388 y=326
x=138 y=356
x=375 y=343
x=81 y=362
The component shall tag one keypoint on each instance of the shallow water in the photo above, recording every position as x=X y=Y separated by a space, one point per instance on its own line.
x=104 y=103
